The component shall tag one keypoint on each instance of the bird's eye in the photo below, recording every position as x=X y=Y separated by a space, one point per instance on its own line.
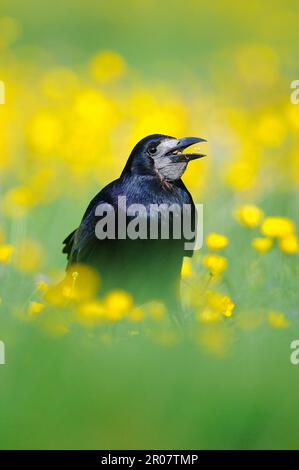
x=152 y=149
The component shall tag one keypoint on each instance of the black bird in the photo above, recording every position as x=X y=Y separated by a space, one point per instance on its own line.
x=147 y=268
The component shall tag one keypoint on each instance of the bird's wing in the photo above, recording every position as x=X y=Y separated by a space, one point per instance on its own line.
x=68 y=244
x=81 y=243
x=189 y=200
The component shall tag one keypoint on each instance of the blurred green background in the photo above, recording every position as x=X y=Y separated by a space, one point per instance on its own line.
x=84 y=81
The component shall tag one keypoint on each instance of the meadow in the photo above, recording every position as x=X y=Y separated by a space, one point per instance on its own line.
x=102 y=373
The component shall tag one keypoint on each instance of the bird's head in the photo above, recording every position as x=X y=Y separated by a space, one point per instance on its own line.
x=162 y=155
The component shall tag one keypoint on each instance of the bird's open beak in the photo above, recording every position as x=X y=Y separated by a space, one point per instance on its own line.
x=176 y=152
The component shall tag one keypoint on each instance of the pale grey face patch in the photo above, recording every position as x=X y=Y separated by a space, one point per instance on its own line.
x=163 y=163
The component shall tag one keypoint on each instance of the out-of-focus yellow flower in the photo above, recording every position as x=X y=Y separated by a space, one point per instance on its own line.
x=215 y=263
x=95 y=110
x=215 y=340
x=220 y=303
x=44 y=132
x=45 y=184
x=241 y=174
x=271 y=130
x=156 y=310
x=6 y=252
x=216 y=241
x=117 y=304
x=35 y=308
x=42 y=286
x=60 y=83
x=29 y=256
x=80 y=284
x=262 y=244
x=90 y=313
x=136 y=314
x=277 y=319
x=289 y=244
x=293 y=116
x=250 y=320
x=17 y=201
x=208 y=315
x=249 y=215
x=186 y=268
x=54 y=326
x=278 y=227
x=106 y=66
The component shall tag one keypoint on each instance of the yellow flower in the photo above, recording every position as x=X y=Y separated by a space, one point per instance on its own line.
x=241 y=174
x=5 y=253
x=80 y=284
x=289 y=244
x=278 y=227
x=277 y=319
x=44 y=132
x=216 y=241
x=249 y=215
x=186 y=268
x=90 y=313
x=262 y=244
x=54 y=326
x=42 y=286
x=60 y=83
x=215 y=263
x=17 y=201
x=215 y=340
x=117 y=304
x=156 y=310
x=208 y=315
x=136 y=314
x=29 y=256
x=35 y=308
x=220 y=303
x=271 y=129
x=107 y=65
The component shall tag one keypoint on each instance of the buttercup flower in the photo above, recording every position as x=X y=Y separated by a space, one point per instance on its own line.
x=278 y=227
x=90 y=313
x=249 y=215
x=186 y=268
x=156 y=310
x=28 y=256
x=107 y=65
x=117 y=304
x=6 y=252
x=220 y=303
x=277 y=319
x=289 y=244
x=216 y=241
x=215 y=263
x=136 y=314
x=35 y=308
x=208 y=315
x=262 y=244
x=17 y=201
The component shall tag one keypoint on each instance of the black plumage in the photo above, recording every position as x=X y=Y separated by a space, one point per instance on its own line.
x=147 y=268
